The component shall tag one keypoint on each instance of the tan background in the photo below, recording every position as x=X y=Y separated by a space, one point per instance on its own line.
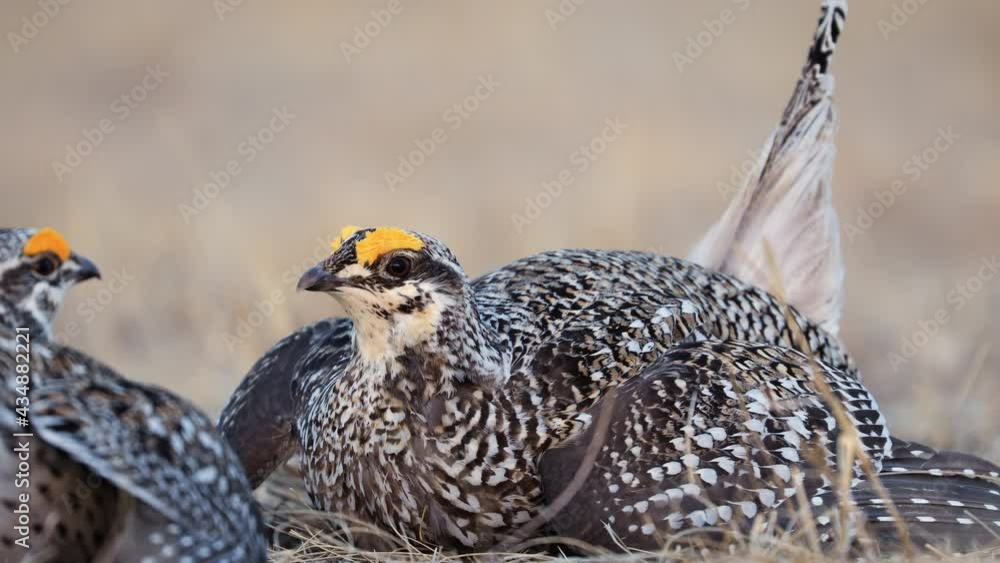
x=655 y=187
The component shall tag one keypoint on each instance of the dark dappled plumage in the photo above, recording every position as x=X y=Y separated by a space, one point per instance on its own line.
x=563 y=328
x=119 y=472
x=459 y=435
x=948 y=500
x=259 y=417
x=709 y=435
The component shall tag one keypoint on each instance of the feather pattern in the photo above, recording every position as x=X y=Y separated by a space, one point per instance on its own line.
x=153 y=457
x=708 y=436
x=118 y=471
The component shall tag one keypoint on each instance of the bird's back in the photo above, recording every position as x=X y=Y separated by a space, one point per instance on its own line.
x=128 y=469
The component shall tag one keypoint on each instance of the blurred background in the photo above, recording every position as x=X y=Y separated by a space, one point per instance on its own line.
x=204 y=153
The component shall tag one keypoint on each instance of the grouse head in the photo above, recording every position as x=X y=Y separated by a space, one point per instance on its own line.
x=394 y=281
x=36 y=268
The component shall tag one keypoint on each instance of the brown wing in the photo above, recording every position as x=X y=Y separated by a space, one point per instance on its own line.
x=259 y=418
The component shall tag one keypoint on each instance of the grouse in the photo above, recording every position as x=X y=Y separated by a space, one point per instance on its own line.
x=107 y=469
x=451 y=389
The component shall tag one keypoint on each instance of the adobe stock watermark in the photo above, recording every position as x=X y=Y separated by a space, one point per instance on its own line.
x=582 y=158
x=454 y=117
x=562 y=13
x=113 y=286
x=264 y=309
x=224 y=7
x=121 y=108
x=697 y=44
x=957 y=298
x=913 y=169
x=248 y=150
x=33 y=24
x=899 y=17
x=738 y=175
x=366 y=33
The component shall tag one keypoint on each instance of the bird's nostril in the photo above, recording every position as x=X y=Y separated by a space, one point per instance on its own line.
x=318 y=279
x=85 y=269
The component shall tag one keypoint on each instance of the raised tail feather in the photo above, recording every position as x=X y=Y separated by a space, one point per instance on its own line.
x=786 y=201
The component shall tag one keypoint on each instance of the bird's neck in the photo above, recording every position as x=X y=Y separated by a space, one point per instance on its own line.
x=445 y=345
x=34 y=319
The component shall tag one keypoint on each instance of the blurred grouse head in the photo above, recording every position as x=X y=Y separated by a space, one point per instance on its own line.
x=36 y=268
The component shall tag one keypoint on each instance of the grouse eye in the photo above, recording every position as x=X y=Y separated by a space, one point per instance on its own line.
x=45 y=266
x=399 y=266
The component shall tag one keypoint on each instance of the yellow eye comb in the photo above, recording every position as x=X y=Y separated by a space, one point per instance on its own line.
x=385 y=239
x=47 y=240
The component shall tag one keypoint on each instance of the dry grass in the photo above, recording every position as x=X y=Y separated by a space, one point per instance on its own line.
x=758 y=550
x=318 y=536
x=315 y=542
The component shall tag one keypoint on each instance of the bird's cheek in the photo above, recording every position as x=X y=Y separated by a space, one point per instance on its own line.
x=354 y=271
x=358 y=302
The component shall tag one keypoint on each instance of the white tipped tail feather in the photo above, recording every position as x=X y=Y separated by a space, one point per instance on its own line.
x=786 y=202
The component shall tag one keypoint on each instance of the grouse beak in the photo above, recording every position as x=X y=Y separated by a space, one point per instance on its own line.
x=85 y=269
x=318 y=279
